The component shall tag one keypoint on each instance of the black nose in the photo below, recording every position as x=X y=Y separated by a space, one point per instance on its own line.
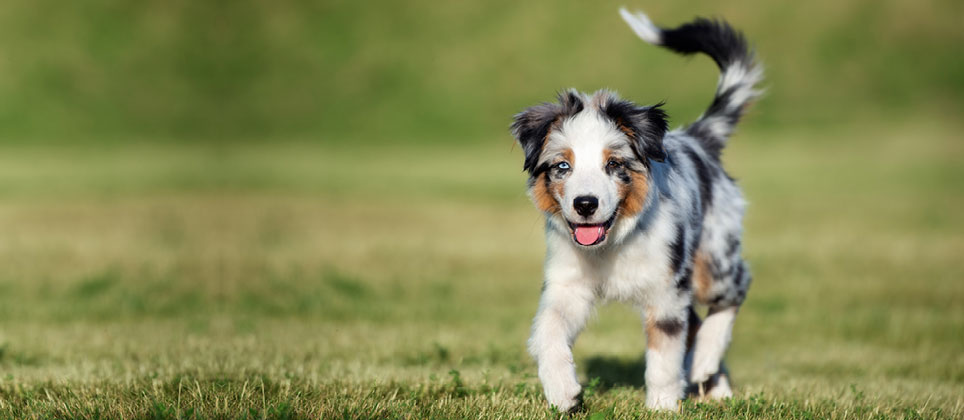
x=585 y=205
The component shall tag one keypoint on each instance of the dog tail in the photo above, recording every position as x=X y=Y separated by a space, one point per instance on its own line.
x=739 y=73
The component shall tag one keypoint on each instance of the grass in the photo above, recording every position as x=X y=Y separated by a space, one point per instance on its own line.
x=109 y=71
x=316 y=281
x=298 y=210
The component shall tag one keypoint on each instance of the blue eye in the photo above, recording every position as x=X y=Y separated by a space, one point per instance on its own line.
x=563 y=166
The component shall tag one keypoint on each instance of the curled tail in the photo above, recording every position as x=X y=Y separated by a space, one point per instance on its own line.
x=738 y=72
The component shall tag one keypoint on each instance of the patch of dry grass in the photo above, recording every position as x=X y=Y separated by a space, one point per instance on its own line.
x=304 y=281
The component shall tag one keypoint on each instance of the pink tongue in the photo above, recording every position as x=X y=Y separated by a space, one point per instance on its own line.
x=588 y=235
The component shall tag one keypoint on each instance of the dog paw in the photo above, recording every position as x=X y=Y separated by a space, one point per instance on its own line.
x=664 y=397
x=703 y=368
x=718 y=387
x=564 y=397
x=662 y=401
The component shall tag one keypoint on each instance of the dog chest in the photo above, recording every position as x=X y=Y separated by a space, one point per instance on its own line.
x=632 y=273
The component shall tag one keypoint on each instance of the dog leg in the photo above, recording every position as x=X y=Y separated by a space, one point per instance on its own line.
x=718 y=387
x=563 y=311
x=712 y=340
x=665 y=350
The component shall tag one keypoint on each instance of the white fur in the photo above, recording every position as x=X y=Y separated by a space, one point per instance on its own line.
x=565 y=306
x=744 y=78
x=711 y=342
x=630 y=267
x=665 y=384
x=646 y=257
x=642 y=26
x=633 y=272
x=587 y=135
x=574 y=280
x=721 y=389
x=719 y=126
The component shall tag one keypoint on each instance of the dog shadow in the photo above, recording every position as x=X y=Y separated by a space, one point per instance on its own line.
x=615 y=372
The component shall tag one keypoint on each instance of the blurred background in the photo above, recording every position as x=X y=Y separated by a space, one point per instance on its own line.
x=340 y=72
x=320 y=196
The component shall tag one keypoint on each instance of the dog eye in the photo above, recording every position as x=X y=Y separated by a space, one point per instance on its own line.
x=613 y=163
x=564 y=166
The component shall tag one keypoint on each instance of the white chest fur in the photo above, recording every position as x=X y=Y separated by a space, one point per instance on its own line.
x=634 y=271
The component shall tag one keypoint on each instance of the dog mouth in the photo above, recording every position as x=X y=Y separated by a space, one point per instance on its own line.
x=586 y=234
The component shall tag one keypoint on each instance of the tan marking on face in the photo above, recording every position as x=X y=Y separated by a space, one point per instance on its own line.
x=702 y=276
x=633 y=194
x=544 y=190
x=557 y=188
x=569 y=156
x=542 y=197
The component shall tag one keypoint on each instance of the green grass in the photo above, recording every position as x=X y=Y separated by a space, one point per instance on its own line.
x=343 y=72
x=307 y=281
x=296 y=209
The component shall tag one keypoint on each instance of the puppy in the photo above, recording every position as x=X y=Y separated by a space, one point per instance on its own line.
x=641 y=215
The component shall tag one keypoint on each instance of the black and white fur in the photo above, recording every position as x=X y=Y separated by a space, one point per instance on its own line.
x=641 y=215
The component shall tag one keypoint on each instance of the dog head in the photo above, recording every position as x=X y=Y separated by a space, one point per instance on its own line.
x=590 y=159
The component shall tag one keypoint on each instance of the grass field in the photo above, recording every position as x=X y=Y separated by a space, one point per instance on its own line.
x=301 y=281
x=302 y=209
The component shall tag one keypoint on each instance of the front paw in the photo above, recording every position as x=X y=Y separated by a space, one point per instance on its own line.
x=662 y=404
x=704 y=366
x=663 y=399
x=563 y=394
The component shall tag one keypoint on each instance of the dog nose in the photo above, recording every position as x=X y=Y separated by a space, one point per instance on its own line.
x=585 y=205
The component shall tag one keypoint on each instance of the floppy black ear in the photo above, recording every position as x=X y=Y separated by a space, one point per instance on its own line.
x=646 y=125
x=531 y=127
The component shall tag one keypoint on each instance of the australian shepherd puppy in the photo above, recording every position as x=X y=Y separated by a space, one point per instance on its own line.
x=638 y=214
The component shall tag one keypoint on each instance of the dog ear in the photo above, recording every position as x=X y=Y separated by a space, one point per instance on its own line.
x=531 y=126
x=645 y=125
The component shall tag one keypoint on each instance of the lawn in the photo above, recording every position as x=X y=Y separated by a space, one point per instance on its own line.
x=311 y=281
x=298 y=209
